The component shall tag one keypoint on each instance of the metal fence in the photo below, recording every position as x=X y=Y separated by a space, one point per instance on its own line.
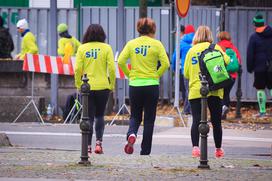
x=107 y=17
x=204 y=15
x=39 y=24
x=238 y=21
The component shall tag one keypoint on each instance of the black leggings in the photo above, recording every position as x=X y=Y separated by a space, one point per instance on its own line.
x=215 y=107
x=97 y=105
x=144 y=98
x=226 y=98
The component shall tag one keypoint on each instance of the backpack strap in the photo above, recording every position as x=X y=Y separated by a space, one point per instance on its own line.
x=212 y=46
x=200 y=58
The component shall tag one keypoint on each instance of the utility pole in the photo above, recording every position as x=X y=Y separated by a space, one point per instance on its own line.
x=142 y=8
x=53 y=52
x=120 y=44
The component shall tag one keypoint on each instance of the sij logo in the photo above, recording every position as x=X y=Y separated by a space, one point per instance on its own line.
x=92 y=53
x=194 y=60
x=142 y=50
x=218 y=68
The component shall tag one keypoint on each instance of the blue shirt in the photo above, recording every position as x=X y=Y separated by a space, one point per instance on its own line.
x=185 y=45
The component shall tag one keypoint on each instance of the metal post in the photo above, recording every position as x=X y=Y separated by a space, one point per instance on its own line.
x=239 y=94
x=32 y=85
x=79 y=19
x=143 y=8
x=222 y=17
x=120 y=85
x=172 y=38
x=176 y=102
x=204 y=127
x=177 y=71
x=53 y=52
x=84 y=122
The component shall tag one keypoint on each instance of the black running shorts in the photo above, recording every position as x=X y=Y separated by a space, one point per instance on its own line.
x=263 y=80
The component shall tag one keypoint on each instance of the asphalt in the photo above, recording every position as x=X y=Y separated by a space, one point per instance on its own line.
x=37 y=154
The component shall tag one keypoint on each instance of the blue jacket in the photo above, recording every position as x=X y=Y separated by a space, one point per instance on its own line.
x=185 y=45
x=258 y=50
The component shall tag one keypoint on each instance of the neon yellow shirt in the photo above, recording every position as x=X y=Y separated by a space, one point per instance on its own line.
x=191 y=70
x=28 y=45
x=144 y=53
x=96 y=60
x=63 y=41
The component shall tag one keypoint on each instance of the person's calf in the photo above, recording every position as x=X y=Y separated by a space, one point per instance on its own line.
x=261 y=96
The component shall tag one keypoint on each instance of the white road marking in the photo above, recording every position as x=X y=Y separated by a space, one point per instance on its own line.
x=232 y=138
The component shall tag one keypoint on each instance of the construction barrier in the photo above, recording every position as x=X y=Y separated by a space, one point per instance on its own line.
x=54 y=65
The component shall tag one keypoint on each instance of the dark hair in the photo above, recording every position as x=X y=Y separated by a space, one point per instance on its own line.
x=65 y=34
x=1 y=21
x=94 y=32
x=182 y=28
x=146 y=26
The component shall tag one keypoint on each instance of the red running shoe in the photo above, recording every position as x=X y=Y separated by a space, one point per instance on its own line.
x=195 y=152
x=129 y=146
x=98 y=148
x=219 y=153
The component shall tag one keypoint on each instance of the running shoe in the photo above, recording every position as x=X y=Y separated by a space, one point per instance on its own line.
x=195 y=152
x=219 y=153
x=225 y=111
x=130 y=142
x=98 y=148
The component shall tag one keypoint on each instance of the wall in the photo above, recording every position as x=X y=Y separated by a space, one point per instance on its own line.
x=46 y=3
x=16 y=89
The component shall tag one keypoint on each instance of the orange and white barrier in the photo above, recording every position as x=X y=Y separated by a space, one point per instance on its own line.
x=48 y=64
x=54 y=65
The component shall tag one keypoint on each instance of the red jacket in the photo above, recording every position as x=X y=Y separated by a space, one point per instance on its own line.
x=228 y=44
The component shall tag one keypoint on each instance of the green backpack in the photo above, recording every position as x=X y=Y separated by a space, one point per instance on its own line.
x=212 y=65
x=233 y=66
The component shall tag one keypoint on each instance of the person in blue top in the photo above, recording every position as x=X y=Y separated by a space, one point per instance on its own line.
x=185 y=45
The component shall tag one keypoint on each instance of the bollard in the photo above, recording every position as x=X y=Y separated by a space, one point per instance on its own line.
x=84 y=122
x=239 y=94
x=203 y=127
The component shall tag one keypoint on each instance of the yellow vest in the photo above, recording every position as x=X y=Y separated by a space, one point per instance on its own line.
x=62 y=45
x=28 y=45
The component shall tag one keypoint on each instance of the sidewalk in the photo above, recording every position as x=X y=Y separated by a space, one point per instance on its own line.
x=62 y=165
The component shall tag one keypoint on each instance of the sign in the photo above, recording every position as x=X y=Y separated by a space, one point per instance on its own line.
x=182 y=7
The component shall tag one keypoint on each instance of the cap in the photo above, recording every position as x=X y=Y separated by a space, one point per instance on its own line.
x=22 y=24
x=258 y=20
x=189 y=29
x=62 y=27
